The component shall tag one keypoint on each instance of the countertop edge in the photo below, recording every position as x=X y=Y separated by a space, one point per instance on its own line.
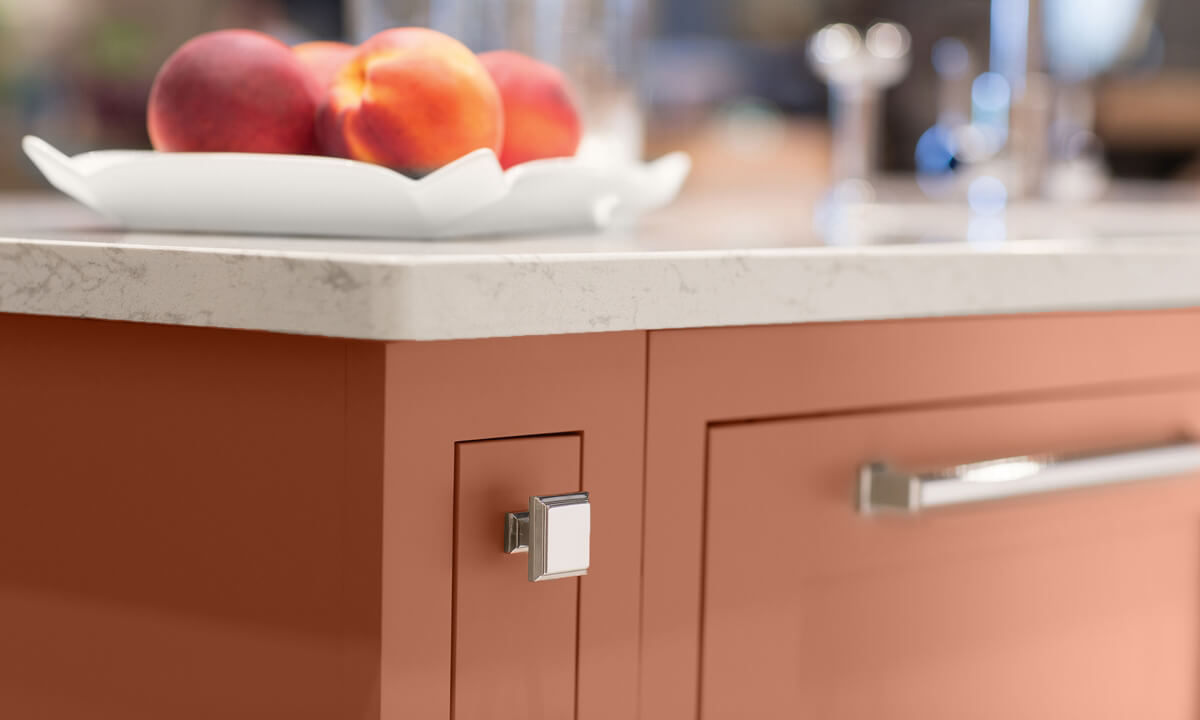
x=445 y=297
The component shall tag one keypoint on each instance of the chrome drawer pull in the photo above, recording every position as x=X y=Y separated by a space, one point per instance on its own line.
x=556 y=532
x=883 y=488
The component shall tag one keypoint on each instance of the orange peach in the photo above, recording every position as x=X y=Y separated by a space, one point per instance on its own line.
x=324 y=59
x=236 y=91
x=412 y=99
x=540 y=116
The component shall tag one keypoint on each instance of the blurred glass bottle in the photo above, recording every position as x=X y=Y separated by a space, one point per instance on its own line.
x=599 y=44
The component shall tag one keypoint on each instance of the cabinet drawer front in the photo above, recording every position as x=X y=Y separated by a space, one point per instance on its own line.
x=701 y=376
x=1081 y=603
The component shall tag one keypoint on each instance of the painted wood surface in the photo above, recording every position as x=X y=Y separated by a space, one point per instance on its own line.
x=706 y=376
x=189 y=525
x=441 y=394
x=514 y=641
x=1079 y=604
x=200 y=523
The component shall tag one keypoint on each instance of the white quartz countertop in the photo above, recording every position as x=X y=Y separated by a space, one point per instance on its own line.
x=686 y=267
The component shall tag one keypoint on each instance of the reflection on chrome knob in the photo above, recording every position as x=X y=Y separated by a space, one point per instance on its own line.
x=556 y=532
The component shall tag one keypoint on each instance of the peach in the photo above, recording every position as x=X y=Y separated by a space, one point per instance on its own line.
x=324 y=59
x=541 y=119
x=412 y=99
x=235 y=91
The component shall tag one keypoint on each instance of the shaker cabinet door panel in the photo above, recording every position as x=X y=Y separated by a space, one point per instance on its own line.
x=514 y=640
x=1081 y=603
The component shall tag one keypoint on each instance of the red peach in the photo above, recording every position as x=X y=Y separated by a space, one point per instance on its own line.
x=540 y=116
x=324 y=59
x=235 y=91
x=412 y=99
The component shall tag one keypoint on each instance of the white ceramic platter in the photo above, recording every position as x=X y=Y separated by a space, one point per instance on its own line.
x=308 y=195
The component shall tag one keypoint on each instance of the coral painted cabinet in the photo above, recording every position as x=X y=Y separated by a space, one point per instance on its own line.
x=1081 y=604
x=470 y=430
x=767 y=595
x=514 y=641
x=200 y=523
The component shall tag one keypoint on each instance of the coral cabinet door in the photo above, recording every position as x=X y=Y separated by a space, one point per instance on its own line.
x=705 y=377
x=472 y=429
x=514 y=640
x=1080 y=603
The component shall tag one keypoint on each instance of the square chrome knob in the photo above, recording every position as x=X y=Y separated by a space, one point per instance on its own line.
x=556 y=532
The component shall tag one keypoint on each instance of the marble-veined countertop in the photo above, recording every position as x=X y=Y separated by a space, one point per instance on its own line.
x=688 y=266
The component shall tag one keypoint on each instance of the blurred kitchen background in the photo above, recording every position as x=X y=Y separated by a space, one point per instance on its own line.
x=976 y=99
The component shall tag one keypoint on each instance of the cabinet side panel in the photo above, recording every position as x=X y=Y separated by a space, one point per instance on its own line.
x=177 y=526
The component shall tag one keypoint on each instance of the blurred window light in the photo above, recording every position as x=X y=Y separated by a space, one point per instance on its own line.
x=935 y=152
x=1086 y=37
x=986 y=231
x=990 y=100
x=990 y=93
x=1010 y=40
x=951 y=57
x=986 y=195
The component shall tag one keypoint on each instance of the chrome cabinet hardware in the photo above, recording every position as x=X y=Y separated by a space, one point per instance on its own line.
x=556 y=532
x=884 y=488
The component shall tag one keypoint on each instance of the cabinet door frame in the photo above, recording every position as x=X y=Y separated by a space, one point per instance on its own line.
x=699 y=377
x=439 y=394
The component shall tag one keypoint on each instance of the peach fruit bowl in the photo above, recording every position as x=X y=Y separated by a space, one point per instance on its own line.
x=261 y=193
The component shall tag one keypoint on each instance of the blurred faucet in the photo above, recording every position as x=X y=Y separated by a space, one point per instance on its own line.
x=1022 y=127
x=992 y=124
x=1085 y=38
x=858 y=68
x=948 y=149
x=1016 y=56
x=1050 y=51
x=1028 y=127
